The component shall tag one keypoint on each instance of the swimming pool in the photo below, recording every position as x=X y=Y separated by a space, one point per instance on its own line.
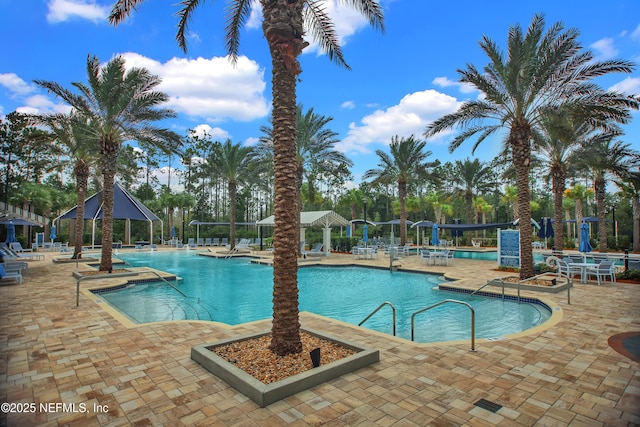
x=235 y=291
x=488 y=255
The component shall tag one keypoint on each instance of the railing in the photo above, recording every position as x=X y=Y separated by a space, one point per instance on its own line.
x=24 y=214
x=473 y=319
x=490 y=282
x=393 y=310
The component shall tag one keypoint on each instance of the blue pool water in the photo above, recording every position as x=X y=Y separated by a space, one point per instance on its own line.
x=488 y=255
x=234 y=291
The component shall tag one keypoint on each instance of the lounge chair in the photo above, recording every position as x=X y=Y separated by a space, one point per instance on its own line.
x=11 y=254
x=316 y=250
x=200 y=241
x=225 y=242
x=17 y=246
x=216 y=241
x=603 y=270
x=241 y=245
x=207 y=241
x=475 y=244
x=10 y=274
x=191 y=243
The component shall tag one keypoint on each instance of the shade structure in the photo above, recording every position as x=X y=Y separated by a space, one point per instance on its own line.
x=585 y=246
x=20 y=221
x=52 y=233
x=326 y=219
x=435 y=241
x=125 y=206
x=11 y=232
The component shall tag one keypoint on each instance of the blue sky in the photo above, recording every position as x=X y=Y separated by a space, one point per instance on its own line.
x=400 y=80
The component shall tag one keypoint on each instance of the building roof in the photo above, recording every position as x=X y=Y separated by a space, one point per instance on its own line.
x=312 y=218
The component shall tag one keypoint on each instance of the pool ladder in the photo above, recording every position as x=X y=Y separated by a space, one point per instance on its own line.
x=413 y=316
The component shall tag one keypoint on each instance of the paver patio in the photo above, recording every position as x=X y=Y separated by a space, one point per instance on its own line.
x=86 y=360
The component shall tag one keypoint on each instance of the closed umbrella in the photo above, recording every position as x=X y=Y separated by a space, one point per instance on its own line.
x=435 y=241
x=542 y=232
x=365 y=233
x=11 y=232
x=52 y=234
x=585 y=246
x=549 y=231
x=173 y=232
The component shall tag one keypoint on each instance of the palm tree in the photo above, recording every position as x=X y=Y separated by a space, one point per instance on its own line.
x=603 y=158
x=406 y=162
x=471 y=178
x=283 y=24
x=71 y=133
x=578 y=193
x=120 y=105
x=629 y=186
x=233 y=163
x=541 y=71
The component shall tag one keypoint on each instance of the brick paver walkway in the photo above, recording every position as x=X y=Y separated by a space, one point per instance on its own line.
x=84 y=360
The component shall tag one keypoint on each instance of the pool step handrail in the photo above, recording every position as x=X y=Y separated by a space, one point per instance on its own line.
x=473 y=319
x=393 y=310
x=167 y=282
x=490 y=282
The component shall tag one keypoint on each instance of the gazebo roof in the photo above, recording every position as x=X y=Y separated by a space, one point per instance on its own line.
x=312 y=218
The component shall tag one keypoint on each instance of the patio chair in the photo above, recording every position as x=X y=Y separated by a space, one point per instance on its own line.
x=567 y=270
x=200 y=241
x=216 y=241
x=448 y=260
x=427 y=256
x=225 y=241
x=603 y=270
x=191 y=243
x=475 y=244
x=207 y=241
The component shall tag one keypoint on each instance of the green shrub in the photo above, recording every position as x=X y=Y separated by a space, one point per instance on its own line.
x=633 y=275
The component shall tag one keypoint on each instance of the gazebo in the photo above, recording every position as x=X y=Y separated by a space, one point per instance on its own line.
x=325 y=219
x=125 y=206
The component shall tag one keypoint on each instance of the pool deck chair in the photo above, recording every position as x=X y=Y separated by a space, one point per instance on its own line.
x=17 y=246
x=316 y=250
x=207 y=241
x=475 y=244
x=15 y=275
x=606 y=269
x=216 y=241
x=200 y=241
x=242 y=245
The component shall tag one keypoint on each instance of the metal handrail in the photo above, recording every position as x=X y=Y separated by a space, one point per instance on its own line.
x=473 y=319
x=487 y=284
x=167 y=282
x=393 y=309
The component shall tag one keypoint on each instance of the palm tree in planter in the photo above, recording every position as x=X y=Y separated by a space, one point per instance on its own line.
x=542 y=70
x=120 y=105
x=406 y=162
x=284 y=24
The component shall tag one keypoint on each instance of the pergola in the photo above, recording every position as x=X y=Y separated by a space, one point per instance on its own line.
x=325 y=219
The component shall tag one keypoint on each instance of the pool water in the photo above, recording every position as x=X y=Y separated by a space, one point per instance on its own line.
x=235 y=291
x=488 y=255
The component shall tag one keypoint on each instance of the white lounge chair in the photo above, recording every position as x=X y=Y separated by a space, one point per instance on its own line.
x=316 y=250
x=475 y=244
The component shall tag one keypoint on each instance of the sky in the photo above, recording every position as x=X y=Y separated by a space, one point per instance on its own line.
x=400 y=80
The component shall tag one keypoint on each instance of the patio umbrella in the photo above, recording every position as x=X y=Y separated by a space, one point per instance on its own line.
x=542 y=232
x=173 y=232
x=585 y=246
x=550 y=232
x=11 y=232
x=365 y=233
x=434 y=235
x=52 y=234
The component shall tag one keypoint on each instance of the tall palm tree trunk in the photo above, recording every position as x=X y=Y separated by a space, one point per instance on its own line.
x=109 y=159
x=558 y=186
x=233 y=196
x=82 y=181
x=283 y=29
x=402 y=195
x=519 y=141
x=635 y=204
x=599 y=187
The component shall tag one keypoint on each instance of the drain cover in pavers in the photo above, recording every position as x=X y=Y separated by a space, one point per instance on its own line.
x=489 y=406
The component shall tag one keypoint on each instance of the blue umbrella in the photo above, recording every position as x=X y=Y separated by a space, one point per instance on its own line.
x=585 y=246
x=365 y=233
x=173 y=232
x=550 y=232
x=349 y=230
x=52 y=235
x=542 y=232
x=11 y=233
x=434 y=235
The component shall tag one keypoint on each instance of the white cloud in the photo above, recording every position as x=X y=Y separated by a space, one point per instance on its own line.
x=212 y=89
x=446 y=82
x=630 y=86
x=40 y=104
x=251 y=141
x=409 y=117
x=635 y=35
x=605 y=48
x=348 y=104
x=216 y=133
x=64 y=10
x=15 y=84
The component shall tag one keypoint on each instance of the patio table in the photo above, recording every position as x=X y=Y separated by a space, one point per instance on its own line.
x=583 y=269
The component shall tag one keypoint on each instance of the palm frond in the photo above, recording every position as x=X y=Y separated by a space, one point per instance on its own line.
x=323 y=32
x=122 y=9
x=184 y=16
x=237 y=14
